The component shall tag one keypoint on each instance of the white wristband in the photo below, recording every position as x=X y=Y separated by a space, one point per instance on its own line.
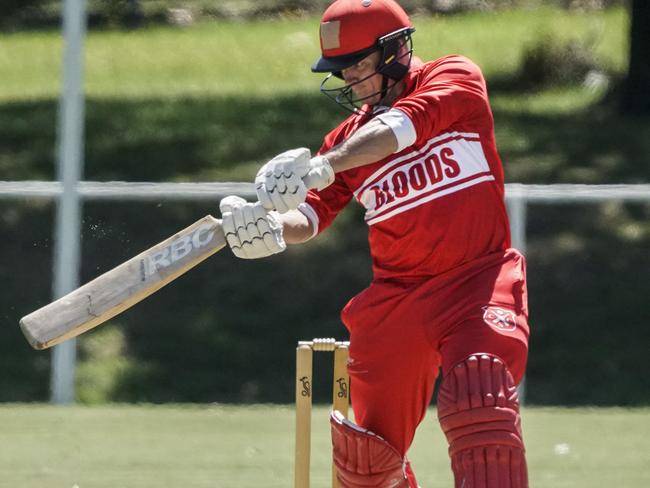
x=320 y=175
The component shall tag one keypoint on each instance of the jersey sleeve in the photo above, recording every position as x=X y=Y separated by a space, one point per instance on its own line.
x=448 y=91
x=322 y=207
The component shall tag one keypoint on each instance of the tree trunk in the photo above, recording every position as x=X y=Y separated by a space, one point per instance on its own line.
x=636 y=90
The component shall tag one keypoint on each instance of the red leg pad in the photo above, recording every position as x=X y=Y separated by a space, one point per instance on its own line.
x=478 y=409
x=363 y=459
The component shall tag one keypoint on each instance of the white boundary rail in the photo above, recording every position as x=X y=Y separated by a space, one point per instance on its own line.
x=518 y=196
x=124 y=190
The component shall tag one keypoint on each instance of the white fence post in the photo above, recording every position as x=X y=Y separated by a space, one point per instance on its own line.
x=68 y=215
x=517 y=214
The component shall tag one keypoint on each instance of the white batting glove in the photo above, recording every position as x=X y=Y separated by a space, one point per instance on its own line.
x=251 y=232
x=282 y=183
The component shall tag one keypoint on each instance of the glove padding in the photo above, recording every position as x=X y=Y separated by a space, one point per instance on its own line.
x=251 y=232
x=282 y=183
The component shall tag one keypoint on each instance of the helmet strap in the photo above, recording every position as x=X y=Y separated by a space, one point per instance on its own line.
x=385 y=87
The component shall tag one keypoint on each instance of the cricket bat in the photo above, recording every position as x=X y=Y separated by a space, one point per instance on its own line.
x=123 y=286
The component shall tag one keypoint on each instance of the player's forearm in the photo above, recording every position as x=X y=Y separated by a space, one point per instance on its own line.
x=296 y=227
x=372 y=142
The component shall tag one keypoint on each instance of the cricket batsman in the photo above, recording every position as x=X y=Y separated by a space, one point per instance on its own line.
x=448 y=294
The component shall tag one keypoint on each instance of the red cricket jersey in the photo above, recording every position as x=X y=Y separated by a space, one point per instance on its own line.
x=439 y=203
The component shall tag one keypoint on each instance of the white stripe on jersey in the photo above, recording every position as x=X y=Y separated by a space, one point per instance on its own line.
x=428 y=198
x=412 y=154
x=446 y=164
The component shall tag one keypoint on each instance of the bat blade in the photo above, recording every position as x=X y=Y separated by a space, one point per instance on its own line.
x=123 y=286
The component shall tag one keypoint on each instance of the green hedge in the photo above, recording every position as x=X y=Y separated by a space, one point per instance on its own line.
x=226 y=331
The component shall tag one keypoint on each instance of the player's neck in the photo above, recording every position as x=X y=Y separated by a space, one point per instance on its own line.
x=393 y=93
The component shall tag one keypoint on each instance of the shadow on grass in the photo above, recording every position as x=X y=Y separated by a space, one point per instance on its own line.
x=588 y=289
x=226 y=138
x=226 y=331
x=586 y=147
x=157 y=140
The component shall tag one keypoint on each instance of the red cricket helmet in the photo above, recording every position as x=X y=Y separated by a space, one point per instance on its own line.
x=350 y=30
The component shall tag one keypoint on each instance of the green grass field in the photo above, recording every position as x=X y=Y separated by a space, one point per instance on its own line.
x=249 y=447
x=262 y=58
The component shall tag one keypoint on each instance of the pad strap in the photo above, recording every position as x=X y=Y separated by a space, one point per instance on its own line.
x=363 y=459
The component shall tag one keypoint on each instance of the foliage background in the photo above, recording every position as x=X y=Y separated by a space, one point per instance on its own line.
x=211 y=100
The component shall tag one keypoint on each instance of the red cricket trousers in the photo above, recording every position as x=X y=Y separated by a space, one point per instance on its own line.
x=403 y=331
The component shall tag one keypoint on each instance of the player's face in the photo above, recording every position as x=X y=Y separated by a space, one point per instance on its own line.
x=364 y=69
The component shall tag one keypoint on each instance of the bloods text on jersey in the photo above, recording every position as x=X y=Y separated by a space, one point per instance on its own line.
x=446 y=164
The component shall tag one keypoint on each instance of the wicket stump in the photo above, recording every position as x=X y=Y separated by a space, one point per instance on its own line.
x=340 y=399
